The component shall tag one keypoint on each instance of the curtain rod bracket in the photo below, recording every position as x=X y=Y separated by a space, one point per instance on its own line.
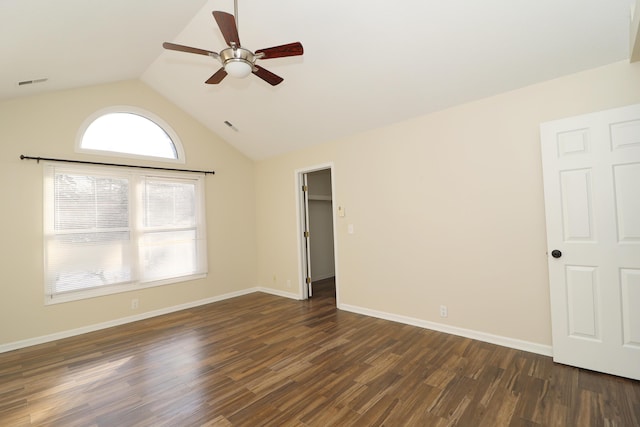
x=83 y=162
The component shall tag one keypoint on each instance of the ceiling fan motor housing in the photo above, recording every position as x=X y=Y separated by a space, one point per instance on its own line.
x=238 y=60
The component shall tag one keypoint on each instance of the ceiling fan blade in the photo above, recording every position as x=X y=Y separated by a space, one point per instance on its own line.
x=291 y=49
x=188 y=49
x=227 y=24
x=267 y=76
x=217 y=77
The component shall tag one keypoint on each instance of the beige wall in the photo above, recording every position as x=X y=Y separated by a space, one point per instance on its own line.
x=46 y=126
x=447 y=208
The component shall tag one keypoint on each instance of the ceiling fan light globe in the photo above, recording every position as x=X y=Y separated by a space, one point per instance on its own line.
x=238 y=68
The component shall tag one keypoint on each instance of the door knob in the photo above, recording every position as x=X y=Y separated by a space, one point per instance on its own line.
x=556 y=253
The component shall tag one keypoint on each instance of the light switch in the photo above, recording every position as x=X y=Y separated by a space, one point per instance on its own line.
x=350 y=229
x=340 y=211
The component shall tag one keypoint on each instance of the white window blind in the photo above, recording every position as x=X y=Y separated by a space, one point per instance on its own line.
x=170 y=230
x=107 y=231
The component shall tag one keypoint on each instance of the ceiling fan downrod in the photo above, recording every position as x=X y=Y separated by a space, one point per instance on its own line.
x=235 y=14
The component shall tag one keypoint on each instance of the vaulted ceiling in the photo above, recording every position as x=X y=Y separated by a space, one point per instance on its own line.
x=366 y=63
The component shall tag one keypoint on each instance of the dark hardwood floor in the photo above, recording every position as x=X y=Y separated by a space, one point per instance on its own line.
x=264 y=360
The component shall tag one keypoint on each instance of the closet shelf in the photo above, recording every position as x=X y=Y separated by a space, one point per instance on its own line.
x=319 y=197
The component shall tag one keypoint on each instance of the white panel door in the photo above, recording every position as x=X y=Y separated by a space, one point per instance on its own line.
x=591 y=167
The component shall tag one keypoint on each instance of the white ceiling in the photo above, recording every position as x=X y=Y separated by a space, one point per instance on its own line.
x=367 y=63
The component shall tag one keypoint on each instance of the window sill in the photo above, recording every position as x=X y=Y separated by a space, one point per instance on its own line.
x=115 y=289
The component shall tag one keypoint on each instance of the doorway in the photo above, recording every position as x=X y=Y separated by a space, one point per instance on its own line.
x=316 y=231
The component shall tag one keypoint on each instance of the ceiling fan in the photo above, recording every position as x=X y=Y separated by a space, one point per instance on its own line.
x=236 y=60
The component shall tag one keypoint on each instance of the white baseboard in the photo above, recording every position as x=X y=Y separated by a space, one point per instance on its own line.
x=98 y=326
x=279 y=293
x=545 y=350
x=467 y=333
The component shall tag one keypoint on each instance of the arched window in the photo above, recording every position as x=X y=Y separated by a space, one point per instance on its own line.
x=129 y=132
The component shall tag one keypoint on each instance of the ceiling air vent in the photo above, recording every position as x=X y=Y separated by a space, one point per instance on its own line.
x=228 y=123
x=30 y=82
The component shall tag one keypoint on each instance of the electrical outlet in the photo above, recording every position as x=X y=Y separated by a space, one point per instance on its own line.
x=135 y=303
x=288 y=283
x=443 y=311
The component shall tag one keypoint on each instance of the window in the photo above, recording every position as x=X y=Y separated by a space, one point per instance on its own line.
x=129 y=132
x=111 y=230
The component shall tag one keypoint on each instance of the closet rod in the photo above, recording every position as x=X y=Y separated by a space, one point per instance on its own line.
x=23 y=157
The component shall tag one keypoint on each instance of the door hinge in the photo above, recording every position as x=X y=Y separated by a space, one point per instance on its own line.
x=306 y=234
x=305 y=188
x=308 y=280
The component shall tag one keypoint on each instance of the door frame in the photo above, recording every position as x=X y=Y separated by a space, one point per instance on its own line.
x=300 y=226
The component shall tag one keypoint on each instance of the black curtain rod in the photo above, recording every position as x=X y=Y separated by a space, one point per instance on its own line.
x=23 y=157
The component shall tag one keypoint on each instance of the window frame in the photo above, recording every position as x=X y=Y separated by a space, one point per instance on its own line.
x=129 y=109
x=136 y=225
